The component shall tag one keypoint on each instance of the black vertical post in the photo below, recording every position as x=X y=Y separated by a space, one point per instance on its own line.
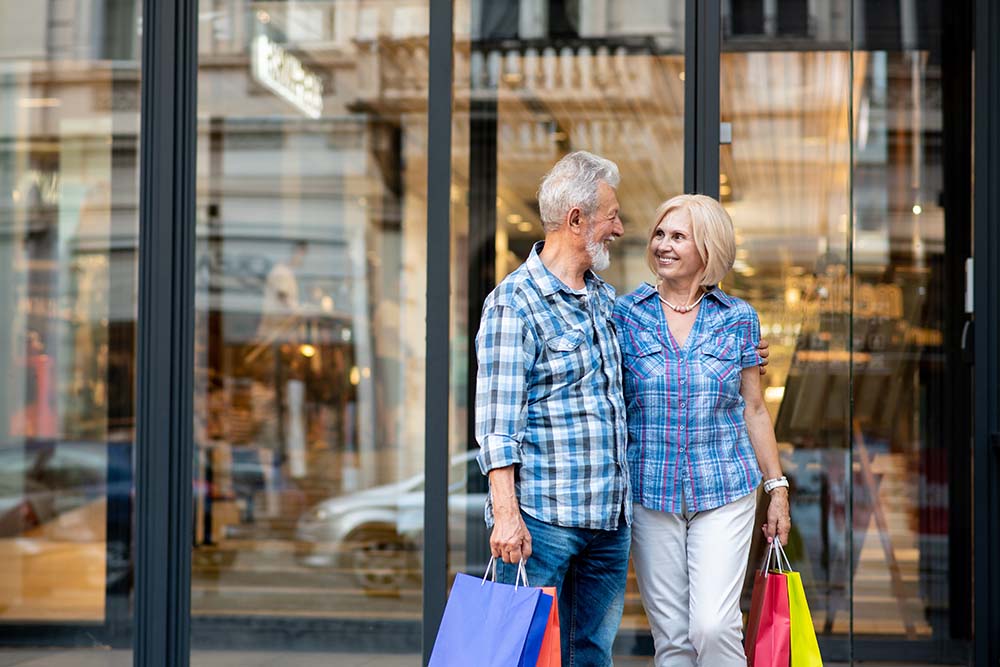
x=986 y=457
x=165 y=358
x=690 y=93
x=707 y=84
x=702 y=51
x=954 y=424
x=482 y=279
x=438 y=308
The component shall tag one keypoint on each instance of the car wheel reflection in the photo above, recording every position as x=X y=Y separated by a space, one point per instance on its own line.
x=382 y=562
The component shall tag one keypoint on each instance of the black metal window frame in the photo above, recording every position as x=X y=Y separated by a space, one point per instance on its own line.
x=986 y=277
x=165 y=334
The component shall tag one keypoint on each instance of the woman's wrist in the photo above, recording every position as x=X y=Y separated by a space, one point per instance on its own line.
x=771 y=484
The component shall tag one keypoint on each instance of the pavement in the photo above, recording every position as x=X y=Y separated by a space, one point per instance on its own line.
x=120 y=658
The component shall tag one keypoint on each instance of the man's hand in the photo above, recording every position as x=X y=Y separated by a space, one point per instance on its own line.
x=763 y=349
x=510 y=539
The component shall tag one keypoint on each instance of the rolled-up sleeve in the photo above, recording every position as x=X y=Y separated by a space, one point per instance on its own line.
x=751 y=338
x=505 y=351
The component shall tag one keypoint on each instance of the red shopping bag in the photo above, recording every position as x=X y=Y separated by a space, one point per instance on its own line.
x=769 y=628
x=551 y=653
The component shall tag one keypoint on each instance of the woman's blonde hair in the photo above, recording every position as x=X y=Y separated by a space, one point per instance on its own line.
x=713 y=234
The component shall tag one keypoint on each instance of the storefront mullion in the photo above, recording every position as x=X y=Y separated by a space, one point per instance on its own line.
x=165 y=350
x=438 y=340
x=701 y=97
x=986 y=448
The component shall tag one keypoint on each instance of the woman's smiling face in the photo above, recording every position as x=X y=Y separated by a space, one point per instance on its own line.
x=674 y=251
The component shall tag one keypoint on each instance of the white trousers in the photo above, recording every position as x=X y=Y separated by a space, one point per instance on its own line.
x=690 y=568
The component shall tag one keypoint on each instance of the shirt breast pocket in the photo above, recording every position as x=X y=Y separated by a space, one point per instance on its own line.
x=644 y=359
x=720 y=361
x=565 y=356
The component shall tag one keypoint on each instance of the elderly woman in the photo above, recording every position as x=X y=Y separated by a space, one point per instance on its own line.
x=699 y=436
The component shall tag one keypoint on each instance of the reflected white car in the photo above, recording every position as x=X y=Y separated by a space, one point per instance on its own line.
x=376 y=535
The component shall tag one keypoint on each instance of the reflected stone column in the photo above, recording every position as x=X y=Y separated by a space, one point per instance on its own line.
x=363 y=473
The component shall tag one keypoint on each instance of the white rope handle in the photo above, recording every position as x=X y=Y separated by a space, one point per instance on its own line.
x=522 y=574
x=765 y=566
x=781 y=554
x=521 y=578
x=491 y=565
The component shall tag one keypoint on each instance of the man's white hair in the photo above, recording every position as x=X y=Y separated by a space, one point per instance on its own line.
x=572 y=183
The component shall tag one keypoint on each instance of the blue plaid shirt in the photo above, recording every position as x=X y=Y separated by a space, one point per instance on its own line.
x=549 y=398
x=688 y=440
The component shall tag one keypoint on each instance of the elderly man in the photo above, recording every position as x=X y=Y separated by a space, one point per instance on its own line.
x=550 y=418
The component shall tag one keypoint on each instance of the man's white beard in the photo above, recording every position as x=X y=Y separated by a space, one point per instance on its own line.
x=600 y=257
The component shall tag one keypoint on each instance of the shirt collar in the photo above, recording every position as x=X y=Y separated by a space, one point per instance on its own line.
x=647 y=291
x=548 y=282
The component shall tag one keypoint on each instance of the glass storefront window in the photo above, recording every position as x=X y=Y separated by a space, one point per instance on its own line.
x=311 y=209
x=845 y=167
x=69 y=126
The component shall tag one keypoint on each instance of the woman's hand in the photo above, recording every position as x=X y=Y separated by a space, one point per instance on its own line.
x=779 y=521
x=763 y=351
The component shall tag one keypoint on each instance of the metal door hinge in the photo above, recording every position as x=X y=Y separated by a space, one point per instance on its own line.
x=725 y=133
x=970 y=286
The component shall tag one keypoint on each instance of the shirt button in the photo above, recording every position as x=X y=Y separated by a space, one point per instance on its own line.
x=682 y=427
x=682 y=380
x=683 y=404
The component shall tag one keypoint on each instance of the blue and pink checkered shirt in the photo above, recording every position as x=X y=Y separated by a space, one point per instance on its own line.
x=549 y=398
x=688 y=440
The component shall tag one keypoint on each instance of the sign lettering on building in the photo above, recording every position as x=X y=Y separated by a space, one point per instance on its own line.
x=283 y=74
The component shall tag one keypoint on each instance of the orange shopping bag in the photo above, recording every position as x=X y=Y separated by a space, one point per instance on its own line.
x=551 y=653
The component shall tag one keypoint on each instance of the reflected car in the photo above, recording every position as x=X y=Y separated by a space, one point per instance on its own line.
x=376 y=535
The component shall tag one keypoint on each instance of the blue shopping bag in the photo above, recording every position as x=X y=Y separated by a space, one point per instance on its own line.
x=488 y=624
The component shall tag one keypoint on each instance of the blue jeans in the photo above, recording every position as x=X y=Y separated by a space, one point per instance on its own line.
x=588 y=568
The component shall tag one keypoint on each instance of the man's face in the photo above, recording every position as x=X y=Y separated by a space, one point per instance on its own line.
x=604 y=227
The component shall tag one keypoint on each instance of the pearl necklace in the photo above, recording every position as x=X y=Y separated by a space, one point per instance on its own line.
x=680 y=309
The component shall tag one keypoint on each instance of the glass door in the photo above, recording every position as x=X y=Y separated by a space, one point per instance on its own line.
x=846 y=170
x=844 y=177
x=535 y=80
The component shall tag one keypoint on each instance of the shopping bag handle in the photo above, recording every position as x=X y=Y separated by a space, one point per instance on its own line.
x=765 y=564
x=521 y=578
x=781 y=554
x=774 y=550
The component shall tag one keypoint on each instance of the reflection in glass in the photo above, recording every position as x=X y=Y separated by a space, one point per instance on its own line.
x=785 y=181
x=834 y=179
x=534 y=81
x=310 y=324
x=69 y=118
x=909 y=420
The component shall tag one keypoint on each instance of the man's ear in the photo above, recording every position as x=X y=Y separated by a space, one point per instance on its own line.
x=574 y=218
